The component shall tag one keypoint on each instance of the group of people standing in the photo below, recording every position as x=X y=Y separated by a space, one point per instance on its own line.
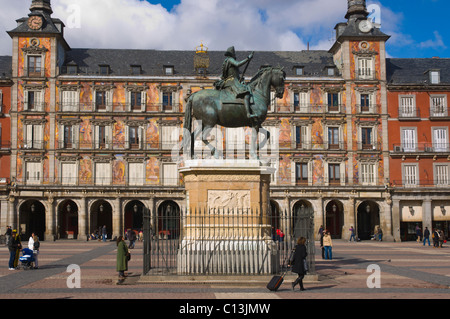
x=14 y=244
x=437 y=235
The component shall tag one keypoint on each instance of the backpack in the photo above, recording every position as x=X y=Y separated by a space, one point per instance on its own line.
x=36 y=245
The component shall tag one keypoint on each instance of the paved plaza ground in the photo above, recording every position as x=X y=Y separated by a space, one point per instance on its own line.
x=407 y=270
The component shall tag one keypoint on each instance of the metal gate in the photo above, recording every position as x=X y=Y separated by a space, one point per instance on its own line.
x=231 y=243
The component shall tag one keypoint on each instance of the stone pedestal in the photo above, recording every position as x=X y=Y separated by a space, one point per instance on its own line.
x=226 y=229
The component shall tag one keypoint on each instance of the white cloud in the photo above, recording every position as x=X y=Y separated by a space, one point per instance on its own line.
x=246 y=24
x=436 y=43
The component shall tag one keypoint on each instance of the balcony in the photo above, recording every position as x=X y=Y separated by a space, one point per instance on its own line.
x=368 y=109
x=439 y=113
x=368 y=147
x=421 y=148
x=408 y=113
x=415 y=184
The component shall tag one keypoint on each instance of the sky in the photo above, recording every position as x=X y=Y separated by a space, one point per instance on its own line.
x=418 y=28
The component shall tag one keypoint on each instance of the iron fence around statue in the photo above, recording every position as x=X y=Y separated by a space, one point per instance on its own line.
x=227 y=242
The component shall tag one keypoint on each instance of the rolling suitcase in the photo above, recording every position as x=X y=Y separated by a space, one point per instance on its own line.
x=275 y=282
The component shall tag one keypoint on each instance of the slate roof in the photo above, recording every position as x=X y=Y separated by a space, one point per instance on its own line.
x=152 y=61
x=5 y=67
x=415 y=71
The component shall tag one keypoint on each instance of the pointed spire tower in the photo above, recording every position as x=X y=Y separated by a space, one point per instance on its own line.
x=43 y=6
x=356 y=10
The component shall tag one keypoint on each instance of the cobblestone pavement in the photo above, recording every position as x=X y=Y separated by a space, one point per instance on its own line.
x=407 y=271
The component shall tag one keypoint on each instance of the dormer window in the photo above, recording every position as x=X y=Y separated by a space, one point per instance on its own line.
x=299 y=70
x=435 y=77
x=168 y=69
x=136 y=70
x=331 y=71
x=72 y=69
x=104 y=69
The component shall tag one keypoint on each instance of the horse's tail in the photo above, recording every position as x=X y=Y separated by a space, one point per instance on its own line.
x=187 y=125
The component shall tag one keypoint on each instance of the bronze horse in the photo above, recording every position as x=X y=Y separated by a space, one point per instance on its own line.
x=219 y=107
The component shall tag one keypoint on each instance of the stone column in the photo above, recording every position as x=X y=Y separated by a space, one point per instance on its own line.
x=50 y=219
x=427 y=214
x=83 y=221
x=349 y=217
x=396 y=220
x=117 y=219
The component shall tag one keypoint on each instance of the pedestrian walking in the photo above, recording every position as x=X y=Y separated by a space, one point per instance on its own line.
x=418 y=233
x=299 y=264
x=122 y=258
x=435 y=237
x=441 y=238
x=8 y=234
x=379 y=234
x=321 y=245
x=352 y=233
x=14 y=250
x=104 y=235
x=426 y=236
x=36 y=246
x=131 y=238
x=328 y=245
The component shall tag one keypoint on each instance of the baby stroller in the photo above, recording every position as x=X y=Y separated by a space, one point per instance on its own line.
x=27 y=259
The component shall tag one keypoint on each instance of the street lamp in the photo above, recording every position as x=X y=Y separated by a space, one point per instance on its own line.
x=368 y=209
x=443 y=209
x=411 y=210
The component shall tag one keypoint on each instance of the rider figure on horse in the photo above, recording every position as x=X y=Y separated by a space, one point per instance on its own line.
x=231 y=79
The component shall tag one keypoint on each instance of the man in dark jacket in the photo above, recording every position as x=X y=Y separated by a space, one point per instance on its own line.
x=14 y=247
x=426 y=236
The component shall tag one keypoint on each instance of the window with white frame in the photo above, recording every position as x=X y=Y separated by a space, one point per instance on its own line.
x=409 y=139
x=137 y=100
x=333 y=101
x=441 y=174
x=135 y=137
x=440 y=139
x=170 y=174
x=34 y=136
x=334 y=173
x=69 y=174
x=34 y=100
x=33 y=173
x=102 y=173
x=70 y=101
x=435 y=77
x=367 y=137
x=407 y=106
x=136 y=174
x=303 y=137
x=301 y=102
x=235 y=138
x=333 y=137
x=103 y=100
x=438 y=105
x=303 y=173
x=410 y=175
x=170 y=136
x=368 y=173
x=365 y=68
x=102 y=136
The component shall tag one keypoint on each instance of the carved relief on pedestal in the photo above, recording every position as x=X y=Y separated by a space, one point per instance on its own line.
x=224 y=200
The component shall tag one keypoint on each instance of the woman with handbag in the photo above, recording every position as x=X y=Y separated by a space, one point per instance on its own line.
x=299 y=264
x=122 y=258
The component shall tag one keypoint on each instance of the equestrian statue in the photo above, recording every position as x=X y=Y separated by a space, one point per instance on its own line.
x=233 y=103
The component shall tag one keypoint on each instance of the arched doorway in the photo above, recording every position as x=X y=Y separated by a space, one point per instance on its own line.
x=168 y=223
x=32 y=220
x=368 y=217
x=303 y=220
x=334 y=218
x=101 y=215
x=68 y=220
x=134 y=215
